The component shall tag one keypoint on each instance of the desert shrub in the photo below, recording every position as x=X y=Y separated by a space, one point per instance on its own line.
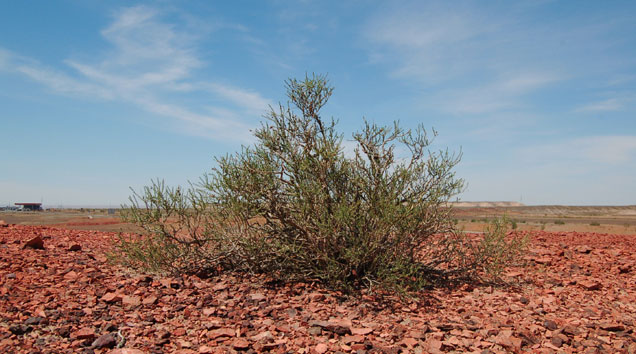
x=559 y=222
x=180 y=230
x=295 y=207
x=595 y=223
x=499 y=248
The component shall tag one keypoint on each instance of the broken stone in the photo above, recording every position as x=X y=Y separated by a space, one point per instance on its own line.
x=583 y=249
x=33 y=321
x=570 y=330
x=361 y=331
x=549 y=324
x=19 y=330
x=240 y=343
x=83 y=333
x=204 y=349
x=590 y=284
x=131 y=301
x=105 y=341
x=221 y=332
x=126 y=351
x=339 y=328
x=149 y=300
x=612 y=327
x=263 y=337
x=556 y=341
x=35 y=243
x=75 y=247
x=111 y=297
x=321 y=348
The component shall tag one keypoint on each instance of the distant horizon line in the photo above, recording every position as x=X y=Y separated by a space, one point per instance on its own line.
x=485 y=203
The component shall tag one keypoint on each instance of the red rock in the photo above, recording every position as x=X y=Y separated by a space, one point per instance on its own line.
x=321 y=348
x=184 y=343
x=149 y=300
x=33 y=321
x=240 y=343
x=338 y=327
x=590 y=284
x=19 y=330
x=209 y=311
x=3 y=223
x=409 y=342
x=111 y=297
x=220 y=286
x=583 y=249
x=353 y=339
x=556 y=341
x=179 y=332
x=126 y=351
x=612 y=327
x=131 y=301
x=105 y=341
x=70 y=275
x=84 y=333
x=543 y=260
x=75 y=247
x=571 y=330
x=258 y=297
x=263 y=337
x=549 y=324
x=624 y=269
x=358 y=346
x=35 y=243
x=204 y=349
x=315 y=297
x=221 y=332
x=31 y=285
x=434 y=345
x=361 y=331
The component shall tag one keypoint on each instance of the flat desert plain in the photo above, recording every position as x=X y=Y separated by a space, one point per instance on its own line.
x=575 y=293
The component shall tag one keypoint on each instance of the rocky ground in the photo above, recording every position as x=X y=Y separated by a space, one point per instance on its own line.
x=59 y=294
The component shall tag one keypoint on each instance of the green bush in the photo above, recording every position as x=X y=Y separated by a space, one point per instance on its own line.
x=513 y=224
x=498 y=248
x=293 y=206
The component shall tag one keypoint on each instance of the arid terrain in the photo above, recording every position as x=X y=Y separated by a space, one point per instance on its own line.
x=576 y=293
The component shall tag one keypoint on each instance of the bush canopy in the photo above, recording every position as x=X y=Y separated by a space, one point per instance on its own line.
x=295 y=206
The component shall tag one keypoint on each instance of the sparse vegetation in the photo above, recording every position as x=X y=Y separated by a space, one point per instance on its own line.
x=559 y=222
x=293 y=206
x=595 y=224
x=498 y=248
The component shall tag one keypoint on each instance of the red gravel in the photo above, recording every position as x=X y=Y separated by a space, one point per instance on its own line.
x=577 y=294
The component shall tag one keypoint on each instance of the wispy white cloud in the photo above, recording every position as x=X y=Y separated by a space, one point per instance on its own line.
x=611 y=104
x=428 y=43
x=251 y=100
x=148 y=59
x=466 y=57
x=4 y=59
x=613 y=150
x=63 y=83
x=504 y=93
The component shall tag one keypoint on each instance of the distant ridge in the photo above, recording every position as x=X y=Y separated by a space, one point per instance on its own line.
x=486 y=204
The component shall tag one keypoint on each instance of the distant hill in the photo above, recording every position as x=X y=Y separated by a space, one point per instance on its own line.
x=486 y=204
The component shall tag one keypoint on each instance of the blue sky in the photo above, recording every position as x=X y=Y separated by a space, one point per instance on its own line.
x=100 y=96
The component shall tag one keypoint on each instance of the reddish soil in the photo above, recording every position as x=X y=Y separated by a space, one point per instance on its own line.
x=577 y=294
